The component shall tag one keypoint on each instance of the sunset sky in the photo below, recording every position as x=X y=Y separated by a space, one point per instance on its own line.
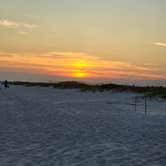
x=87 y=40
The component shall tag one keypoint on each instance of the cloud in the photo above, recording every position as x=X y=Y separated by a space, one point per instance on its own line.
x=160 y=44
x=7 y=54
x=29 y=26
x=22 y=32
x=74 y=64
x=8 y=23
x=23 y=27
x=69 y=53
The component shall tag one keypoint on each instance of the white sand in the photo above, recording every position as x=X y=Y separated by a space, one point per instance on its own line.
x=53 y=127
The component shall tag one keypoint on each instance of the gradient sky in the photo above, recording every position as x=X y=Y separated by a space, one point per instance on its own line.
x=100 y=40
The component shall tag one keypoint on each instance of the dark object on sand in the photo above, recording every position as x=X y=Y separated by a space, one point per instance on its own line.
x=6 y=84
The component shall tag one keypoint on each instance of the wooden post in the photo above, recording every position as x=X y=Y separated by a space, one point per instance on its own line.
x=145 y=105
x=135 y=103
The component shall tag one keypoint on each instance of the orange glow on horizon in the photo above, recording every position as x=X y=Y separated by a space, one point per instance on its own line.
x=76 y=66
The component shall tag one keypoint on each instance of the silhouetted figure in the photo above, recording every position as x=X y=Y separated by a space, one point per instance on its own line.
x=6 y=84
x=0 y=84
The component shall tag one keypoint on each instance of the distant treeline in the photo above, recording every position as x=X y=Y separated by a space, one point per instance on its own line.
x=148 y=90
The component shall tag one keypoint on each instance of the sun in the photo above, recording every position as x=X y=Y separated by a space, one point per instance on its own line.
x=80 y=74
x=79 y=66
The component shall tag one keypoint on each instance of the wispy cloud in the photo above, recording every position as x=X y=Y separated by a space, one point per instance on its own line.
x=8 y=23
x=162 y=44
x=6 y=54
x=22 y=32
x=29 y=26
x=22 y=27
